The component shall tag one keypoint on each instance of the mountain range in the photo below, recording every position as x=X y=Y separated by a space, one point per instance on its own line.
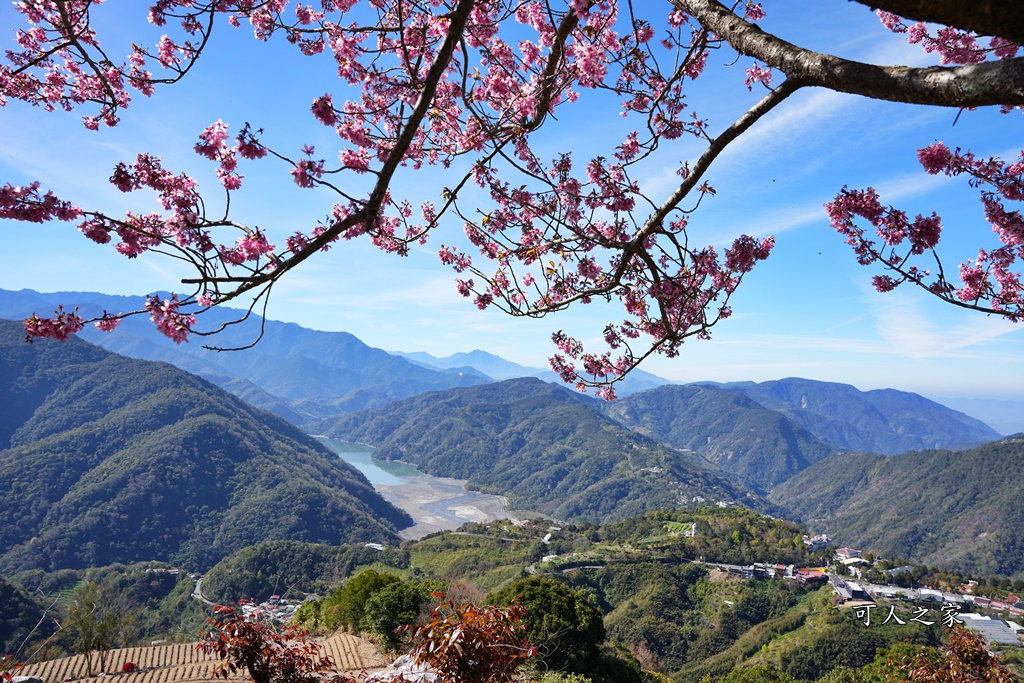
x=93 y=441
x=111 y=459
x=544 y=447
x=497 y=368
x=304 y=375
x=883 y=421
x=550 y=449
x=957 y=509
x=298 y=373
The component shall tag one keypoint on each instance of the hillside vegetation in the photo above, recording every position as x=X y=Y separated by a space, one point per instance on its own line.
x=543 y=447
x=958 y=509
x=291 y=569
x=729 y=429
x=110 y=459
x=667 y=614
x=616 y=603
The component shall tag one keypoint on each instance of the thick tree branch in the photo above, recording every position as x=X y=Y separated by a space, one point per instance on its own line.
x=548 y=78
x=456 y=27
x=1003 y=18
x=975 y=85
x=717 y=146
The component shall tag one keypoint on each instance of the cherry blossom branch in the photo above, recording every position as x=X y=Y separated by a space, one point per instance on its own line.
x=990 y=282
x=718 y=145
x=434 y=88
x=987 y=17
x=974 y=85
x=548 y=78
x=370 y=209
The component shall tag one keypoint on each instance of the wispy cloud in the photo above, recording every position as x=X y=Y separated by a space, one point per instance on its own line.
x=904 y=323
x=910 y=185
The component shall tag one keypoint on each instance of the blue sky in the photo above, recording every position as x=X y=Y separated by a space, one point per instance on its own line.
x=808 y=311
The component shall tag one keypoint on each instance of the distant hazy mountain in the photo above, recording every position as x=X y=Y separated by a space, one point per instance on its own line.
x=961 y=509
x=1003 y=415
x=498 y=368
x=111 y=459
x=726 y=427
x=298 y=373
x=545 y=447
x=880 y=421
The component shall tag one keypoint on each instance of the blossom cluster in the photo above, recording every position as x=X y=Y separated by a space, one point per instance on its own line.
x=953 y=46
x=567 y=235
x=61 y=326
x=991 y=280
x=168 y=319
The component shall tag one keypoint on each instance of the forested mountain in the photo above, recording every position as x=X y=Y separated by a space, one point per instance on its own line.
x=106 y=458
x=958 y=509
x=298 y=373
x=19 y=615
x=687 y=620
x=543 y=446
x=499 y=369
x=726 y=427
x=880 y=421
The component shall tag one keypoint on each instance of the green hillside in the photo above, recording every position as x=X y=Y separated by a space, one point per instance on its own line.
x=290 y=569
x=958 y=509
x=683 y=619
x=20 y=615
x=543 y=446
x=659 y=609
x=109 y=459
x=729 y=429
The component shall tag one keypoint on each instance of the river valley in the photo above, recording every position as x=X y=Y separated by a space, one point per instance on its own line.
x=436 y=503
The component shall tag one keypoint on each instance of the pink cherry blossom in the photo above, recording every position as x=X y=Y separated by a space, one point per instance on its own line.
x=757 y=74
x=168 y=319
x=108 y=322
x=60 y=327
x=464 y=87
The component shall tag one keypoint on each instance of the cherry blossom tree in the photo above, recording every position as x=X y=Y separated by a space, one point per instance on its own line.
x=467 y=86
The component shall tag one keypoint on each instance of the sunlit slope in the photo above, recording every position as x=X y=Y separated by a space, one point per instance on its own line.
x=110 y=459
x=959 y=509
x=543 y=446
x=726 y=427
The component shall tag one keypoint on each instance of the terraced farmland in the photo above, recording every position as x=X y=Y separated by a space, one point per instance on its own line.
x=182 y=662
x=350 y=653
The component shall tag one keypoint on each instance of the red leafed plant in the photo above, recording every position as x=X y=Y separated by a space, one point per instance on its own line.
x=470 y=644
x=967 y=660
x=461 y=644
x=7 y=665
x=268 y=655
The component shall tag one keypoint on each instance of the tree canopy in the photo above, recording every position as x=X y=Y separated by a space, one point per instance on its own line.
x=467 y=87
x=562 y=623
